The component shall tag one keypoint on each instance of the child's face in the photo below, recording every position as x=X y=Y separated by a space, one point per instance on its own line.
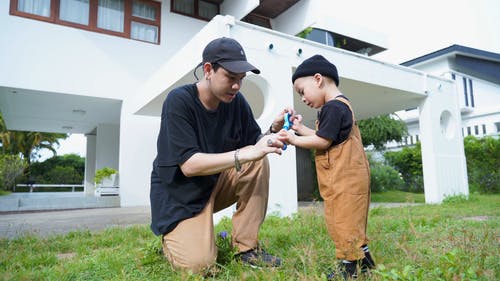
x=309 y=91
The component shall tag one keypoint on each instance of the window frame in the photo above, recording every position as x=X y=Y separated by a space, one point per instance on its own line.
x=196 y=14
x=92 y=26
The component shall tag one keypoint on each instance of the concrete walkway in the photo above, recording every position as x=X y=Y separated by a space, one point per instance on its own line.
x=43 y=201
x=48 y=223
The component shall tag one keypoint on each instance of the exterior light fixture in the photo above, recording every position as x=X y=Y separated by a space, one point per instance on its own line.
x=79 y=111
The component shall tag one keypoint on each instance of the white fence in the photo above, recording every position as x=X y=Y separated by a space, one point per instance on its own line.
x=33 y=186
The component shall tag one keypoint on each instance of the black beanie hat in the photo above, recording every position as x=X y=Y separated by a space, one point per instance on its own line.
x=316 y=64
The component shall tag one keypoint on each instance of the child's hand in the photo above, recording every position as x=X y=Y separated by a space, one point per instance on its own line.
x=287 y=137
x=296 y=122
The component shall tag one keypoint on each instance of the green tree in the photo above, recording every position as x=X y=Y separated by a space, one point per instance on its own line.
x=11 y=166
x=27 y=144
x=43 y=172
x=65 y=175
x=379 y=130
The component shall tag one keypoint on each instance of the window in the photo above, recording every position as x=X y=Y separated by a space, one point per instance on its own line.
x=321 y=36
x=135 y=19
x=34 y=7
x=76 y=11
x=468 y=92
x=111 y=15
x=200 y=9
x=484 y=129
x=145 y=22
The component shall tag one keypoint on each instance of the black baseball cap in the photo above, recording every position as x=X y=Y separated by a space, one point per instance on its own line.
x=229 y=54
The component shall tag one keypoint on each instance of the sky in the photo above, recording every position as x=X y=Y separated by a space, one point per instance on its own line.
x=412 y=29
x=416 y=28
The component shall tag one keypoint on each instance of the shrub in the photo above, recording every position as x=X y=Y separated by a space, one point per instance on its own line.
x=408 y=162
x=104 y=173
x=43 y=172
x=483 y=163
x=384 y=177
x=11 y=167
x=63 y=175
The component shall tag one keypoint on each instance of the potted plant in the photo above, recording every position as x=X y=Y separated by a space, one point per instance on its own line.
x=105 y=176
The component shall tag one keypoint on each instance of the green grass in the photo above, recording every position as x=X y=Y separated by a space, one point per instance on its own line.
x=4 y=192
x=397 y=196
x=456 y=240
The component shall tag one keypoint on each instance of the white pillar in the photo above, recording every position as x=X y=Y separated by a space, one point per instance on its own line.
x=89 y=186
x=443 y=157
x=107 y=146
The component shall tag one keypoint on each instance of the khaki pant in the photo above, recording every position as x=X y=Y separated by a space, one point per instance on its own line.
x=191 y=245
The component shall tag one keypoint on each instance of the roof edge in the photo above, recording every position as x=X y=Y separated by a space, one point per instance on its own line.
x=454 y=49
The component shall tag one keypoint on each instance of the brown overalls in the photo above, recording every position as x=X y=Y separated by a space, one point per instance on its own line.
x=344 y=184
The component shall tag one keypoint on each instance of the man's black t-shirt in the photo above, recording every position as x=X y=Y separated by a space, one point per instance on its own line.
x=335 y=121
x=187 y=127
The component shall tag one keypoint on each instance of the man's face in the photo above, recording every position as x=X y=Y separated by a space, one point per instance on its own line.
x=225 y=85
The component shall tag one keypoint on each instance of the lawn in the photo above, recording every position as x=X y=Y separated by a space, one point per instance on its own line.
x=394 y=196
x=456 y=240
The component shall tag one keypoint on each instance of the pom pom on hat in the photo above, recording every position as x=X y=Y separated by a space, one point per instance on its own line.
x=316 y=64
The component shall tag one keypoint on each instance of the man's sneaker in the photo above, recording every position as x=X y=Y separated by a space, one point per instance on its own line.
x=258 y=258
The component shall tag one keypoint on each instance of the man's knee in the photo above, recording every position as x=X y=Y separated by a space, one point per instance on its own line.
x=191 y=261
x=259 y=166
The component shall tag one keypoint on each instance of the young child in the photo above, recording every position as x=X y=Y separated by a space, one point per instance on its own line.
x=341 y=164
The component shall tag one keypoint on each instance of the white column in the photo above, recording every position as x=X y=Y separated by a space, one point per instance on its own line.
x=107 y=146
x=443 y=158
x=90 y=165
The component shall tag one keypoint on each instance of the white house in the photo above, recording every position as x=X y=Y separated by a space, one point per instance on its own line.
x=477 y=76
x=103 y=68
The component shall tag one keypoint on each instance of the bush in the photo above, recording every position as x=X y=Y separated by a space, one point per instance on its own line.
x=408 y=162
x=103 y=173
x=63 y=175
x=383 y=177
x=11 y=167
x=483 y=162
x=67 y=168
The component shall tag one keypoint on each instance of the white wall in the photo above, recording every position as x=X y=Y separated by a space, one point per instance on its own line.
x=238 y=9
x=75 y=61
x=138 y=136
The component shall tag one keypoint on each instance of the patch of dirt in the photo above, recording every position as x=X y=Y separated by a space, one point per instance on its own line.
x=477 y=218
x=65 y=256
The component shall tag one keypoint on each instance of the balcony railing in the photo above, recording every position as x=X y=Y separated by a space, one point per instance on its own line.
x=32 y=187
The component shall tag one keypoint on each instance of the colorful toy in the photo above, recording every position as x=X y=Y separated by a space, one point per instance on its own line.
x=287 y=125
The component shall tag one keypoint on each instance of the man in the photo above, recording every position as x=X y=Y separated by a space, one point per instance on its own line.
x=211 y=154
